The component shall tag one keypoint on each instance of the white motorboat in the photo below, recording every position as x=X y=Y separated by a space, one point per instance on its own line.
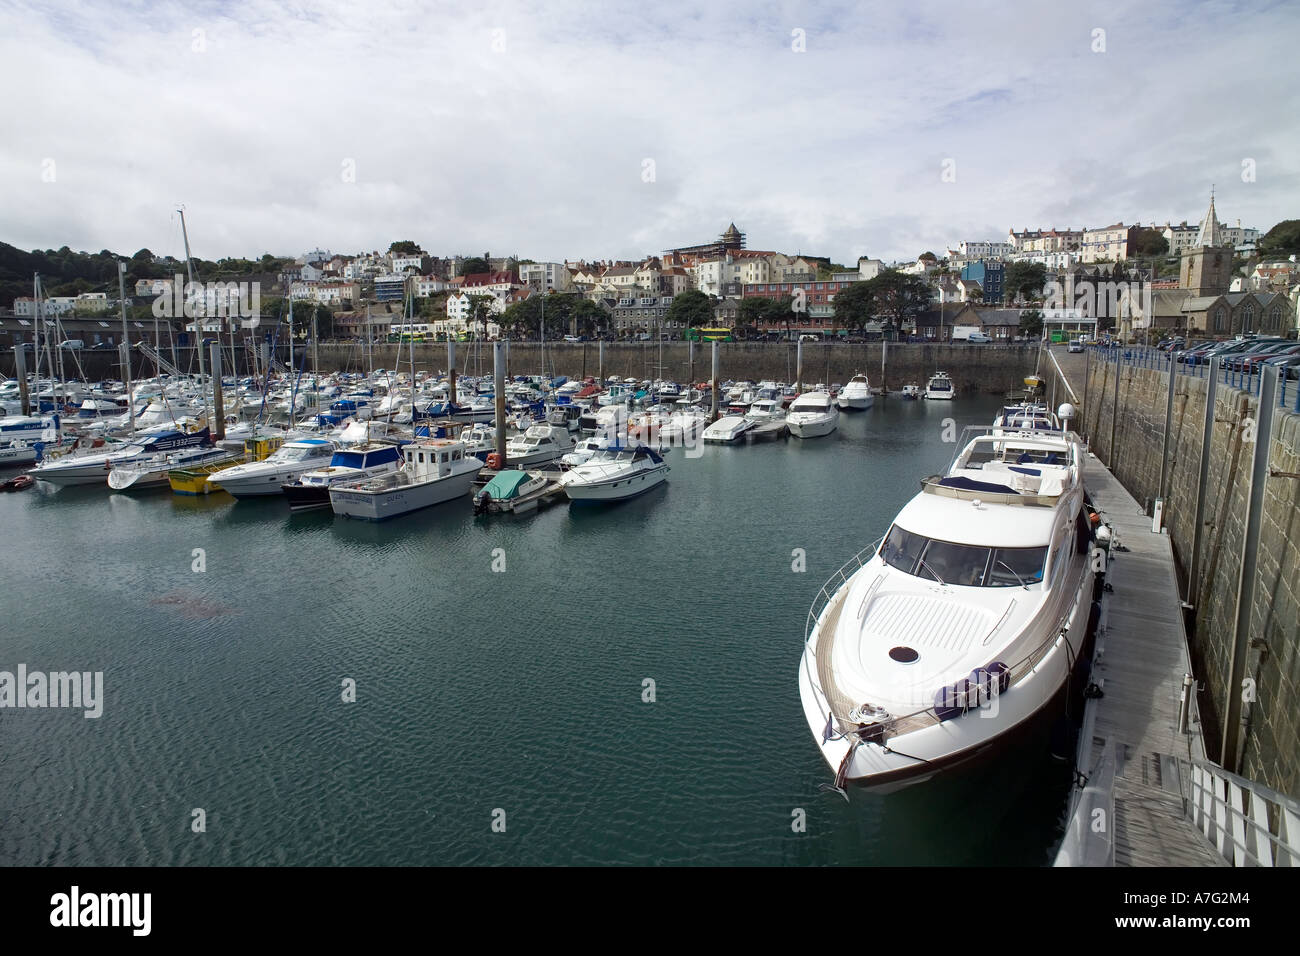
x=856 y=395
x=768 y=417
x=963 y=624
x=94 y=466
x=912 y=391
x=812 y=415
x=585 y=448
x=728 y=429
x=615 y=473
x=538 y=445
x=434 y=470
x=257 y=479
x=312 y=488
x=25 y=438
x=940 y=386
x=150 y=473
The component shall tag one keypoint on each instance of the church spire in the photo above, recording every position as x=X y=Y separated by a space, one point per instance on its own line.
x=1210 y=234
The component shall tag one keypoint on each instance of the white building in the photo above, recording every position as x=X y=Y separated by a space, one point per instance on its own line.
x=981 y=249
x=428 y=286
x=460 y=307
x=546 y=276
x=407 y=263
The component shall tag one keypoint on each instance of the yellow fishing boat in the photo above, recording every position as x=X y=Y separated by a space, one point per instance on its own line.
x=194 y=481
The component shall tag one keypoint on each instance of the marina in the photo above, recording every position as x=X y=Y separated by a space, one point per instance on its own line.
x=590 y=603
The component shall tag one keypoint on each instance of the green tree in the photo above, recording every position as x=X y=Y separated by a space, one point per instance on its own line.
x=1031 y=323
x=753 y=310
x=589 y=318
x=692 y=308
x=480 y=313
x=474 y=265
x=405 y=247
x=1148 y=242
x=1024 y=279
x=855 y=306
x=899 y=298
x=1281 y=241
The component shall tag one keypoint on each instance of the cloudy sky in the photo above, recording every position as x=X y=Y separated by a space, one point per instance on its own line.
x=604 y=129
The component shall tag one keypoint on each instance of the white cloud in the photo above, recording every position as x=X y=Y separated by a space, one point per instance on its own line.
x=538 y=149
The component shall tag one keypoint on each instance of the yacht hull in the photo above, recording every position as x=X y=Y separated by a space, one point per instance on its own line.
x=855 y=403
x=382 y=505
x=817 y=428
x=616 y=489
x=900 y=761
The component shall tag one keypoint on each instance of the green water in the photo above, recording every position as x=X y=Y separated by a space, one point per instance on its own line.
x=518 y=690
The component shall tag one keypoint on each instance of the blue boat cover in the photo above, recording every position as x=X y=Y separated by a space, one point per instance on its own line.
x=969 y=484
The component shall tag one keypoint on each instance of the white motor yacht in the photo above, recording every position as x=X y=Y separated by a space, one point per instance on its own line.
x=940 y=386
x=94 y=466
x=614 y=474
x=538 y=445
x=728 y=429
x=257 y=479
x=812 y=415
x=856 y=395
x=963 y=624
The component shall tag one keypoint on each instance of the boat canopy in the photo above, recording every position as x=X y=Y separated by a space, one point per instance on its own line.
x=505 y=484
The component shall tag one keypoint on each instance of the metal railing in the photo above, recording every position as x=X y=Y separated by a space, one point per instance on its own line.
x=1248 y=379
x=1248 y=823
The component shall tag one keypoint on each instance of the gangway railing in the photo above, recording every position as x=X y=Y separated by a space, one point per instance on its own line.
x=155 y=356
x=1248 y=823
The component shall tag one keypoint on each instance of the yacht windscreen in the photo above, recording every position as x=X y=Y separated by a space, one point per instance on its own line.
x=963 y=564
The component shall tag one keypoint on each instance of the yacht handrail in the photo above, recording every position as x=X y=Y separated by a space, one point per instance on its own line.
x=933 y=484
x=824 y=597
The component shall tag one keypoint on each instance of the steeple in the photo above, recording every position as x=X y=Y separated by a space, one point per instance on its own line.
x=1210 y=234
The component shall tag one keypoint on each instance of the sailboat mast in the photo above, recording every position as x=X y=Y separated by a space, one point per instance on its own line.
x=198 y=317
x=409 y=309
x=36 y=346
x=126 y=342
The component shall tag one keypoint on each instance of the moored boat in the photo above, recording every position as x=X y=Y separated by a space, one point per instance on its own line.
x=312 y=488
x=812 y=415
x=614 y=474
x=962 y=624
x=434 y=470
x=939 y=386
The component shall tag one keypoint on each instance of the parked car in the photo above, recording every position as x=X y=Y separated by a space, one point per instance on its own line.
x=72 y=344
x=1255 y=360
x=1076 y=345
x=978 y=338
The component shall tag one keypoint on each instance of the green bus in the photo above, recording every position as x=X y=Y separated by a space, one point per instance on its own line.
x=709 y=335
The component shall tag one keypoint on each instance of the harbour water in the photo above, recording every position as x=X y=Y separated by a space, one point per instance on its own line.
x=477 y=690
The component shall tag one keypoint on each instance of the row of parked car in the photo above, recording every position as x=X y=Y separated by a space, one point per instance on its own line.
x=1244 y=355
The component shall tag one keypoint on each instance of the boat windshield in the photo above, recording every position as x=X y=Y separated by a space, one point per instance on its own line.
x=962 y=564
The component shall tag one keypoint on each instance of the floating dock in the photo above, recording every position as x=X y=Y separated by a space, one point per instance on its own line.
x=1131 y=748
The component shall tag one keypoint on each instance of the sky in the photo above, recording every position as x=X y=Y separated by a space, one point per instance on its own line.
x=601 y=130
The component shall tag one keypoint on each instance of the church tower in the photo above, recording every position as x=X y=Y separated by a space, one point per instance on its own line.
x=1207 y=266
